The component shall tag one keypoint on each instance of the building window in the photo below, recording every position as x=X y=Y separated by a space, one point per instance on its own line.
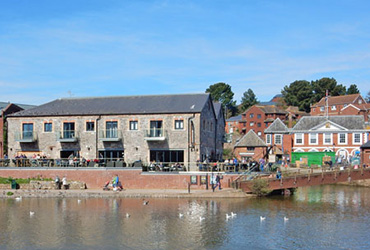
x=133 y=125
x=313 y=138
x=111 y=129
x=259 y=124
x=68 y=130
x=298 y=139
x=251 y=124
x=357 y=138
x=156 y=128
x=342 y=138
x=268 y=139
x=250 y=148
x=90 y=126
x=322 y=109
x=48 y=127
x=259 y=116
x=278 y=139
x=27 y=130
x=259 y=133
x=251 y=115
x=327 y=138
x=179 y=124
x=333 y=107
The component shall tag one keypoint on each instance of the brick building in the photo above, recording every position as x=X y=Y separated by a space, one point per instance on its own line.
x=164 y=128
x=250 y=146
x=353 y=104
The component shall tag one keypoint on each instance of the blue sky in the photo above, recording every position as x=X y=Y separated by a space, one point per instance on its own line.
x=51 y=49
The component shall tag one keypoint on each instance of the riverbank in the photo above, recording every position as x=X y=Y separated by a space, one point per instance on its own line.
x=127 y=193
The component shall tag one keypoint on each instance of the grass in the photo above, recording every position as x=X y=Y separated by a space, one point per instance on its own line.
x=8 y=180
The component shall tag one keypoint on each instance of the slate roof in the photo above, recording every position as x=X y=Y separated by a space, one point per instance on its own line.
x=115 y=105
x=234 y=118
x=277 y=127
x=351 y=122
x=3 y=105
x=338 y=100
x=366 y=145
x=250 y=139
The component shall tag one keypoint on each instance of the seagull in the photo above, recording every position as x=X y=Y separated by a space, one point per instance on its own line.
x=201 y=218
x=233 y=214
x=181 y=215
x=32 y=213
x=262 y=218
x=286 y=218
x=18 y=198
x=145 y=202
x=128 y=215
x=228 y=216
x=78 y=201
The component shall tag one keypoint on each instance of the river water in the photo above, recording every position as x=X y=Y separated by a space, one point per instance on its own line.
x=324 y=217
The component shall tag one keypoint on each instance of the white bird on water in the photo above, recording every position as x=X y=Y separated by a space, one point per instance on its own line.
x=233 y=214
x=32 y=213
x=181 y=215
x=78 y=201
x=228 y=216
x=262 y=218
x=201 y=218
x=128 y=215
x=286 y=218
x=145 y=202
x=19 y=198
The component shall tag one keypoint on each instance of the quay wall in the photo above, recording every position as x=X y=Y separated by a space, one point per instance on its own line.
x=95 y=178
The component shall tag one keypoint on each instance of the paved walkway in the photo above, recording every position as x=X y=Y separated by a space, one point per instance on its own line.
x=128 y=193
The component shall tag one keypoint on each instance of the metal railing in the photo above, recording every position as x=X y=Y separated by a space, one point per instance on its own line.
x=110 y=134
x=155 y=133
x=67 y=135
x=25 y=136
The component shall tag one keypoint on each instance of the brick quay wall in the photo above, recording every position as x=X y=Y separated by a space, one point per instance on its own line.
x=131 y=178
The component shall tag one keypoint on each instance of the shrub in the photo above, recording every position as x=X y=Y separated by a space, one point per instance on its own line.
x=260 y=187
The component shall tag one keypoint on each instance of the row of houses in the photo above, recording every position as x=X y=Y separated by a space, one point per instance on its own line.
x=338 y=134
x=182 y=128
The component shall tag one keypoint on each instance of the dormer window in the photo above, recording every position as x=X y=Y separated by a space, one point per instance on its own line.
x=360 y=101
x=333 y=107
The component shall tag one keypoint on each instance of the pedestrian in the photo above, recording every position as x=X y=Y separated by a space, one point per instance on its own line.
x=218 y=181
x=57 y=182
x=65 y=183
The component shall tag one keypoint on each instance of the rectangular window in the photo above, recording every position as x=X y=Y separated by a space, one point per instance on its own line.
x=327 y=139
x=342 y=138
x=259 y=124
x=179 y=124
x=278 y=139
x=259 y=116
x=133 y=125
x=156 y=128
x=111 y=129
x=268 y=139
x=68 y=130
x=250 y=148
x=27 y=130
x=90 y=126
x=322 y=109
x=357 y=138
x=299 y=139
x=333 y=107
x=313 y=139
x=251 y=115
x=48 y=127
x=251 y=124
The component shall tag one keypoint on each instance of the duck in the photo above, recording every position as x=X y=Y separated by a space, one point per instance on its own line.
x=262 y=218
x=201 y=218
x=145 y=202
x=128 y=215
x=32 y=213
x=181 y=215
x=233 y=214
x=286 y=218
x=228 y=216
x=19 y=198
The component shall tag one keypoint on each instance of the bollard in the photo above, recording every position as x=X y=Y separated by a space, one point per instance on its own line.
x=188 y=187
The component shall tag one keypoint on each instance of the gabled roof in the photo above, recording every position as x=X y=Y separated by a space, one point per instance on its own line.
x=235 y=118
x=250 y=139
x=366 y=145
x=277 y=127
x=3 y=105
x=268 y=109
x=338 y=100
x=350 y=122
x=115 y=105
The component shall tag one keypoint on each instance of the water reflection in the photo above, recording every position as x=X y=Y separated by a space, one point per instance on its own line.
x=327 y=217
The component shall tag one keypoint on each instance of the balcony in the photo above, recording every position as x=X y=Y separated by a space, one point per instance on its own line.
x=67 y=136
x=155 y=134
x=26 y=137
x=108 y=135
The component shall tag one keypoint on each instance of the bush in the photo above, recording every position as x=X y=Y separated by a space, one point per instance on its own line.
x=260 y=187
x=8 y=180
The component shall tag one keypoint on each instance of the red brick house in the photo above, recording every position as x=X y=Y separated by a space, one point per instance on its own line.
x=260 y=117
x=365 y=154
x=235 y=124
x=353 y=104
x=250 y=146
x=278 y=139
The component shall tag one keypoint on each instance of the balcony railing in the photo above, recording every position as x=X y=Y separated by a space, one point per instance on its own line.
x=110 y=135
x=67 y=136
x=155 y=134
x=26 y=136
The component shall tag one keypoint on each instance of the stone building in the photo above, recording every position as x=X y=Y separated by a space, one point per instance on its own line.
x=162 y=128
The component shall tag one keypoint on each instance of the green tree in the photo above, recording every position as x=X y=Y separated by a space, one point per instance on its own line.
x=353 y=90
x=320 y=87
x=298 y=93
x=222 y=92
x=367 y=98
x=248 y=100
